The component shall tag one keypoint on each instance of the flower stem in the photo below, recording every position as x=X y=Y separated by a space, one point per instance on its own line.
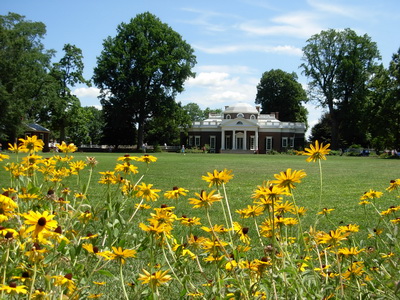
x=121 y=275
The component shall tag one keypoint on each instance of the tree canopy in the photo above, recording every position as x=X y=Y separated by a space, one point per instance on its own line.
x=339 y=65
x=139 y=73
x=24 y=66
x=279 y=91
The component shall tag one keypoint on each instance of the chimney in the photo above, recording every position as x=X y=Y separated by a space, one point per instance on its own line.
x=226 y=107
x=276 y=115
x=258 y=108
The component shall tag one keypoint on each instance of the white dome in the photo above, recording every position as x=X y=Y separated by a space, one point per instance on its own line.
x=241 y=108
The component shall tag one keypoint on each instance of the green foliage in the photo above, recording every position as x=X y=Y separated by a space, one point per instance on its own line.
x=279 y=91
x=140 y=71
x=23 y=69
x=340 y=65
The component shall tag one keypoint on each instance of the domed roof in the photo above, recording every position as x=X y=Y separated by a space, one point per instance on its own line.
x=241 y=108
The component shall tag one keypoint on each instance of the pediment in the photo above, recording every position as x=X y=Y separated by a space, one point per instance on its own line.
x=238 y=122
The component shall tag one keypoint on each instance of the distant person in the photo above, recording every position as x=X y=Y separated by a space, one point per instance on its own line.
x=183 y=149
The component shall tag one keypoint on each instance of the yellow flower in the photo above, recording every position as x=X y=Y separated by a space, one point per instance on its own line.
x=127 y=168
x=325 y=211
x=394 y=185
x=371 y=194
x=13 y=288
x=267 y=194
x=156 y=227
x=121 y=254
x=64 y=281
x=31 y=144
x=146 y=192
x=175 y=193
x=90 y=248
x=189 y=221
x=288 y=178
x=94 y=296
x=77 y=166
x=14 y=148
x=126 y=158
x=4 y=156
x=39 y=222
x=251 y=211
x=108 y=178
x=352 y=251
x=355 y=270
x=67 y=148
x=316 y=152
x=7 y=207
x=332 y=238
x=156 y=279
x=204 y=199
x=147 y=158
x=217 y=178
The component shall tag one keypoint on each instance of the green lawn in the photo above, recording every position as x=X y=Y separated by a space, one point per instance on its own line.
x=344 y=180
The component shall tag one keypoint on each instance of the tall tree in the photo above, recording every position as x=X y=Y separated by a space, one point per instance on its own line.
x=141 y=70
x=24 y=64
x=279 y=91
x=194 y=111
x=67 y=73
x=339 y=65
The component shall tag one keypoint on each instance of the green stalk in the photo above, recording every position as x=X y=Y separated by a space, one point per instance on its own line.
x=121 y=275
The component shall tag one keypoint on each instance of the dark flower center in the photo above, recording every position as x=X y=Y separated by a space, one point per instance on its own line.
x=12 y=285
x=95 y=249
x=42 y=221
x=68 y=276
x=58 y=230
x=9 y=235
x=245 y=230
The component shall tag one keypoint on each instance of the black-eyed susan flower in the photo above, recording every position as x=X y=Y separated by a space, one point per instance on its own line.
x=127 y=158
x=31 y=144
x=126 y=168
x=218 y=177
x=122 y=254
x=4 y=156
x=95 y=296
x=347 y=252
x=394 y=185
x=39 y=222
x=91 y=161
x=7 y=208
x=90 y=248
x=108 y=178
x=288 y=178
x=156 y=227
x=13 y=288
x=145 y=191
x=355 y=270
x=317 y=152
x=350 y=228
x=147 y=158
x=190 y=221
x=325 y=211
x=67 y=148
x=154 y=279
x=251 y=211
x=205 y=199
x=77 y=166
x=64 y=281
x=267 y=194
x=216 y=228
x=14 y=148
x=334 y=237
x=175 y=193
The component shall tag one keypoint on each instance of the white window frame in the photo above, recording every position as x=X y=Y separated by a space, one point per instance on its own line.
x=252 y=142
x=284 y=142
x=213 y=140
x=197 y=140
x=268 y=143
x=190 y=140
x=291 y=142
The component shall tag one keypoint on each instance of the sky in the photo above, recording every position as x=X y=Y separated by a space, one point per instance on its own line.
x=235 y=41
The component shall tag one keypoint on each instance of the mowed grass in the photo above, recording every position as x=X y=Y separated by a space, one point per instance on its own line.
x=344 y=180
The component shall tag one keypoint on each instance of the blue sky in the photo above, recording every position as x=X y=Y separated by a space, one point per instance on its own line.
x=235 y=41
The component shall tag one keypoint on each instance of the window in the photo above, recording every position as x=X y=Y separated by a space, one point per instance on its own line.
x=239 y=123
x=212 y=142
x=240 y=115
x=291 y=142
x=268 y=143
x=190 y=140
x=284 y=142
x=252 y=146
x=228 y=142
x=228 y=116
x=252 y=117
x=197 y=141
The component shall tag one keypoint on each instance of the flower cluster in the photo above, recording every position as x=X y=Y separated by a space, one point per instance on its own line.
x=64 y=235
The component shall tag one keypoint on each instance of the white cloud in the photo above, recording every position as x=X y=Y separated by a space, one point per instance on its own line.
x=214 y=79
x=282 y=49
x=87 y=92
x=295 y=24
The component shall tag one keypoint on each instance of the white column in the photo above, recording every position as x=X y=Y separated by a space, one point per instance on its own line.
x=233 y=139
x=223 y=140
x=245 y=140
x=256 y=137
